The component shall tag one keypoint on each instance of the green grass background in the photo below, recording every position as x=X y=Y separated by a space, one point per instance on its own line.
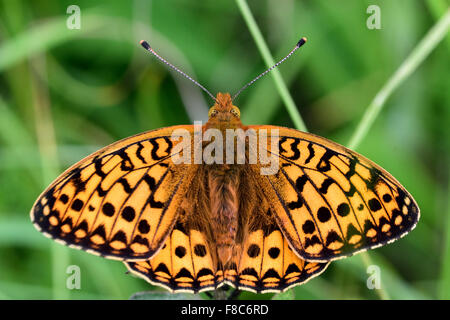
x=66 y=93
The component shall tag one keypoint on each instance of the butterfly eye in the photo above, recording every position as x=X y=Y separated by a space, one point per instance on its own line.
x=235 y=112
x=213 y=113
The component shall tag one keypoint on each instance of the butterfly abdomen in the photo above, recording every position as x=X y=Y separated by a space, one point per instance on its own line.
x=223 y=184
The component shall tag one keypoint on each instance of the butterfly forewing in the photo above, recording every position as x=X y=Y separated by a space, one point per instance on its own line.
x=331 y=202
x=120 y=202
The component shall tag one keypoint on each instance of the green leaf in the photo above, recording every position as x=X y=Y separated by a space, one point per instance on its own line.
x=287 y=295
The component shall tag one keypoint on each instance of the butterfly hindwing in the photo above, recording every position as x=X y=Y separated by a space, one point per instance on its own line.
x=120 y=202
x=184 y=264
x=266 y=263
x=331 y=202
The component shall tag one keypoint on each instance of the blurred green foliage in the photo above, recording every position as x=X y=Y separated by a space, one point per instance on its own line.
x=65 y=93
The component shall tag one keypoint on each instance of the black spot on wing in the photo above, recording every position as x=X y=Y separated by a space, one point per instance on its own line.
x=144 y=227
x=343 y=209
x=108 y=209
x=368 y=225
x=67 y=221
x=308 y=227
x=180 y=251
x=323 y=214
x=274 y=252
x=128 y=213
x=253 y=251
x=77 y=205
x=374 y=204
x=200 y=250
x=64 y=198
x=294 y=147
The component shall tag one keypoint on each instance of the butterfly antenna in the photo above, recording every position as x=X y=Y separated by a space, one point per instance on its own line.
x=150 y=49
x=301 y=42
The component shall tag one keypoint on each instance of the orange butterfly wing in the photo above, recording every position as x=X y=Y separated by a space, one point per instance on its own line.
x=331 y=202
x=120 y=202
x=264 y=263
x=184 y=264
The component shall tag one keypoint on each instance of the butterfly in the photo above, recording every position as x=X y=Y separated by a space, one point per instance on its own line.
x=214 y=218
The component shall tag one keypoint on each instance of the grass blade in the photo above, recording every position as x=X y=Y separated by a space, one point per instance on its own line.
x=417 y=56
x=268 y=59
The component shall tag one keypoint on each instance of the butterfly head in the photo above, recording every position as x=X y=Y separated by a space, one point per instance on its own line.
x=223 y=111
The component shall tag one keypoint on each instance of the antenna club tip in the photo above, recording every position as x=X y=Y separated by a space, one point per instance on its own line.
x=145 y=44
x=302 y=41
